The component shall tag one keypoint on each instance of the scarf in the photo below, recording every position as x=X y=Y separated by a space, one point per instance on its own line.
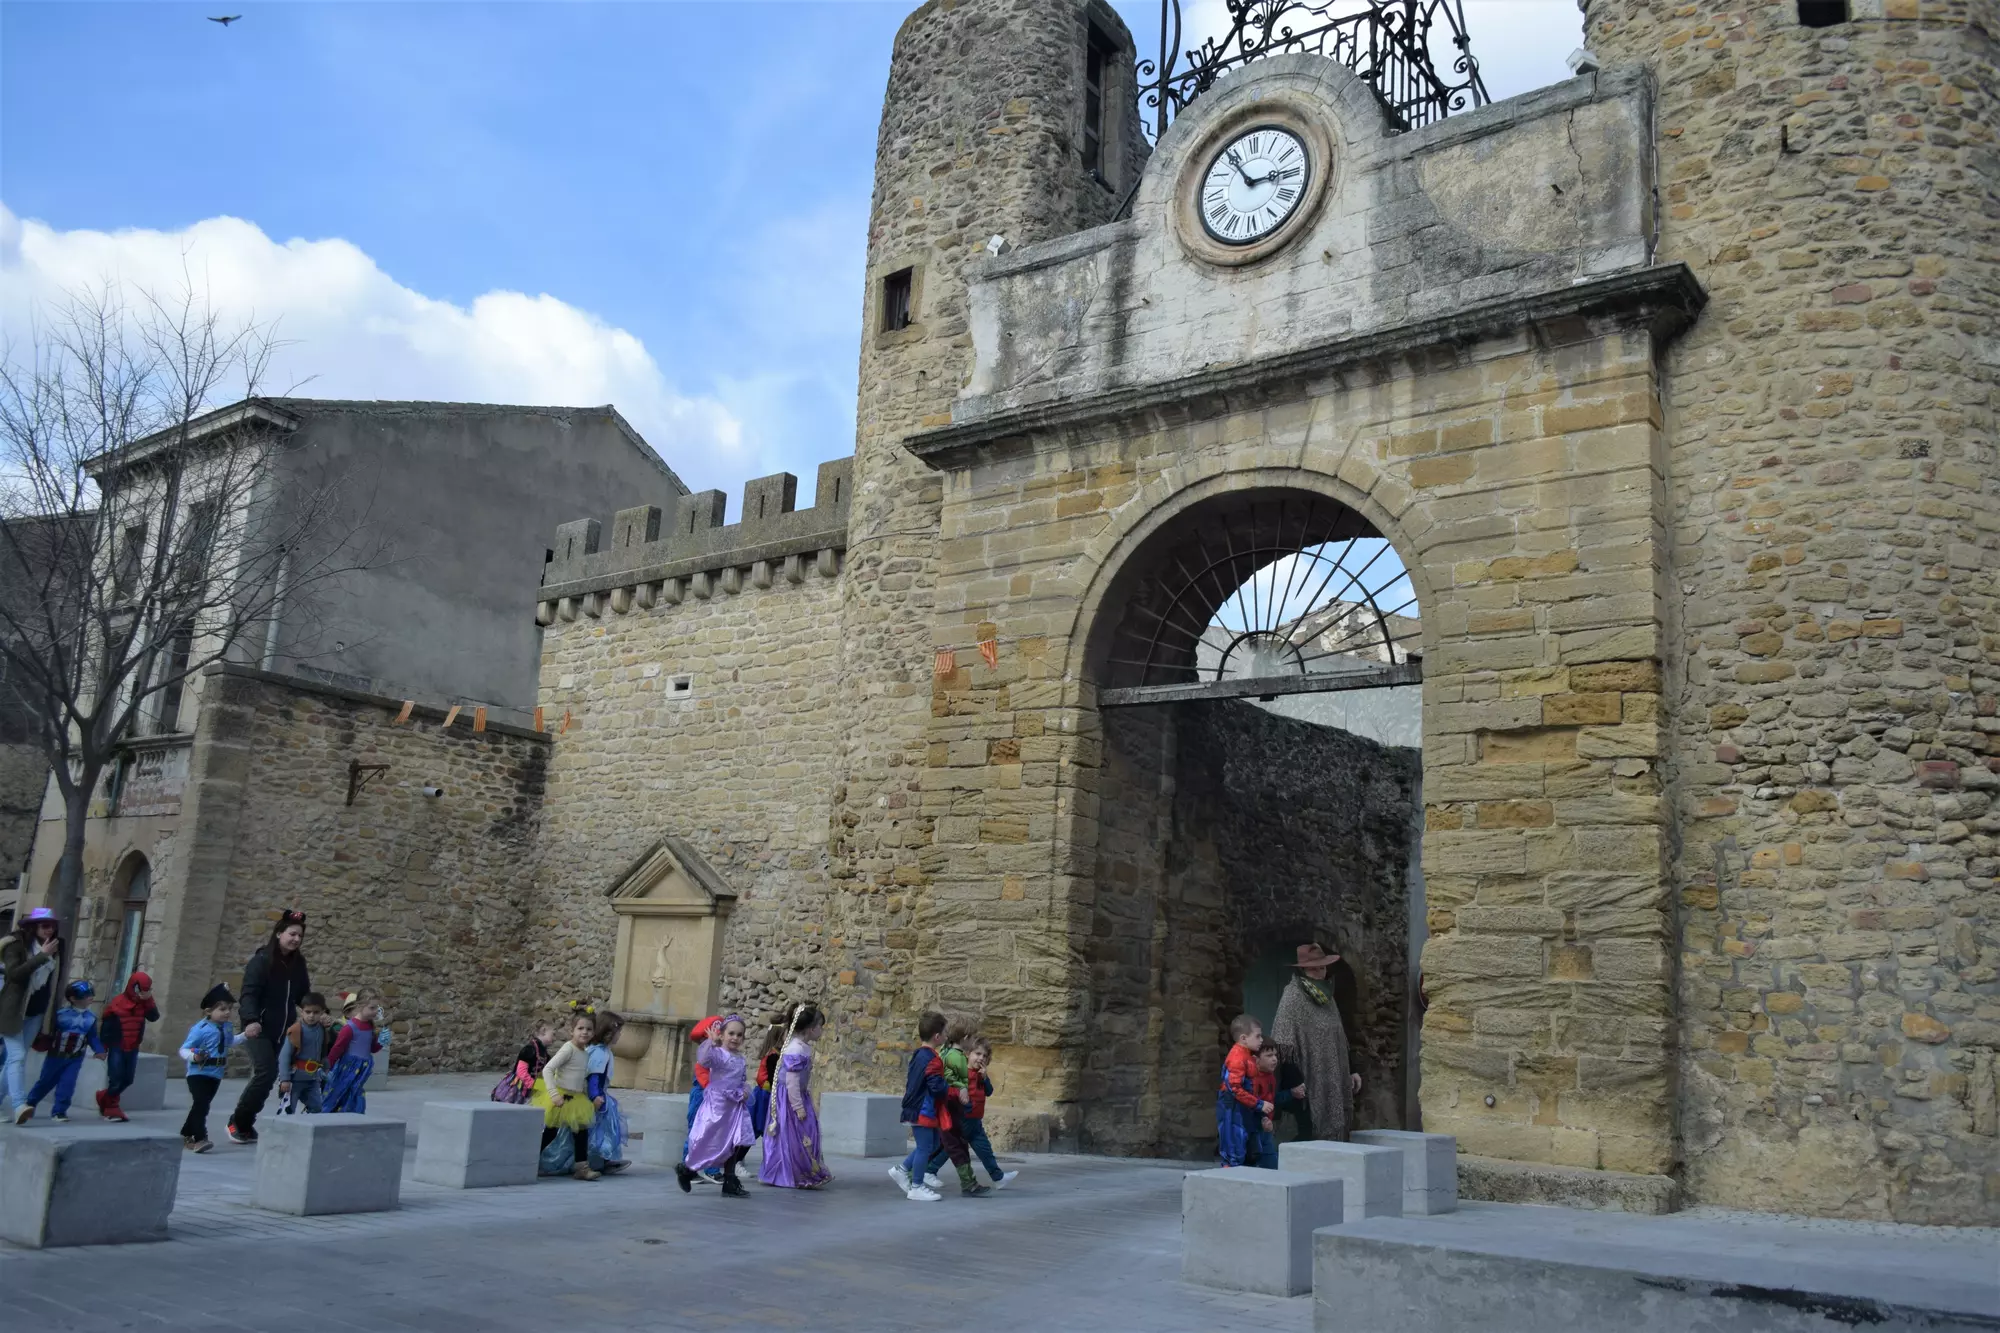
x=1313 y=990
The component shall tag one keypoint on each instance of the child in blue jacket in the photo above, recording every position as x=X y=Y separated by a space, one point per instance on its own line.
x=206 y=1052
x=74 y=1036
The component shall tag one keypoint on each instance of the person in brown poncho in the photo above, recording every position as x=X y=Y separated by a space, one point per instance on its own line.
x=1308 y=1034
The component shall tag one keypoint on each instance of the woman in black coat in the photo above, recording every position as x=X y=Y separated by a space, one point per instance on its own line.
x=273 y=980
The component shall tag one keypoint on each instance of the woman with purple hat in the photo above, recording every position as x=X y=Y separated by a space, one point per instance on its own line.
x=30 y=959
x=1309 y=1034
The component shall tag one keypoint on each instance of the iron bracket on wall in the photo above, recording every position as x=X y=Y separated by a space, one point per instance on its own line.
x=1264 y=687
x=359 y=775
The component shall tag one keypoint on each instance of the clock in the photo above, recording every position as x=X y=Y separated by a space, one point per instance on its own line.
x=1256 y=181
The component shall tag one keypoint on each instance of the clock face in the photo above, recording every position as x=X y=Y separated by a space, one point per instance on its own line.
x=1256 y=182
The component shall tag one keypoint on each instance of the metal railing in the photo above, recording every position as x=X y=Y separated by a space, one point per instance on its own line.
x=1385 y=42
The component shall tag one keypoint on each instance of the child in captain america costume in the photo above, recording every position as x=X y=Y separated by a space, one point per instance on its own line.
x=1239 y=1112
x=75 y=1036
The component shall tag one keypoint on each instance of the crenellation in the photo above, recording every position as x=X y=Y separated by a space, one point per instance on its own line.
x=696 y=543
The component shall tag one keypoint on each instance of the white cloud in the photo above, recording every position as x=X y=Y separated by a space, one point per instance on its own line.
x=355 y=332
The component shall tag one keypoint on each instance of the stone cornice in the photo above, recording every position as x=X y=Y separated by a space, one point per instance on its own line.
x=1668 y=297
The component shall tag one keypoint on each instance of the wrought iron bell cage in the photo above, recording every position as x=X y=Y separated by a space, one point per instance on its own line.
x=1385 y=42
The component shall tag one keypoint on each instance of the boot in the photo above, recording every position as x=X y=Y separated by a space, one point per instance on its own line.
x=968 y=1185
x=113 y=1111
x=732 y=1188
x=582 y=1171
x=102 y=1099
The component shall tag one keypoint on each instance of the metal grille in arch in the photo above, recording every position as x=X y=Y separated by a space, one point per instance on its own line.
x=1267 y=593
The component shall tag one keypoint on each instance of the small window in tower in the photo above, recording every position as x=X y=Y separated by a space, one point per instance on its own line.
x=1096 y=65
x=896 y=300
x=1822 y=13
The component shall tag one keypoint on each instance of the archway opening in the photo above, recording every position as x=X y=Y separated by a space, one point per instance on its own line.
x=1258 y=662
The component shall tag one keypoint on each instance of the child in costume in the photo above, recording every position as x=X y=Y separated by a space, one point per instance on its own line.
x=767 y=1069
x=1263 y=1148
x=607 y=1130
x=564 y=1095
x=701 y=1034
x=927 y=1106
x=720 y=1136
x=74 y=1036
x=792 y=1157
x=517 y=1087
x=1239 y=1111
x=306 y=1057
x=952 y=1143
x=123 y=1028
x=206 y=1051
x=353 y=1056
x=972 y=1117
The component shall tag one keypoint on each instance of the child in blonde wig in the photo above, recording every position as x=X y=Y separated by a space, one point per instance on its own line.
x=792 y=1150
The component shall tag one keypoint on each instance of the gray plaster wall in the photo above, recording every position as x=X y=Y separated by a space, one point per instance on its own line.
x=466 y=497
x=1533 y=193
x=24 y=772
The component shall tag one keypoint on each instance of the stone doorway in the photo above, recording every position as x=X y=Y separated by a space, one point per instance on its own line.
x=1245 y=808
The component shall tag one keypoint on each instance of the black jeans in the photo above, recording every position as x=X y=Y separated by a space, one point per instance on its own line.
x=263 y=1053
x=201 y=1091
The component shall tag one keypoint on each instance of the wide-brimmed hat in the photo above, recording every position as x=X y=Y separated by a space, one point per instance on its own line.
x=1311 y=955
x=348 y=999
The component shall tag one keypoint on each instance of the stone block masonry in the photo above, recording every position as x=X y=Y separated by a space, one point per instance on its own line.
x=420 y=900
x=715 y=720
x=1829 y=711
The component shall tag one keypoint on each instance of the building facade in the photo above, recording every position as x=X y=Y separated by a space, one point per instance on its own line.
x=1670 y=390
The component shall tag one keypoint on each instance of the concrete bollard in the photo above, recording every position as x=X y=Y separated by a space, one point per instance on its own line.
x=1430 y=1168
x=341 y=1163
x=1248 y=1229
x=475 y=1145
x=95 y=1185
x=149 y=1085
x=1373 y=1176
x=663 y=1127
x=862 y=1124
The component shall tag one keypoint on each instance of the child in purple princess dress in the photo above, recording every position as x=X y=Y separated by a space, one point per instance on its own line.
x=721 y=1134
x=791 y=1138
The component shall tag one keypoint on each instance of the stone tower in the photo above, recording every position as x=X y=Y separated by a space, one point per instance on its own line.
x=1010 y=118
x=1828 y=168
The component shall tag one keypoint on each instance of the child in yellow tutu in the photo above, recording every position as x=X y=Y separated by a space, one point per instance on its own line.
x=563 y=1094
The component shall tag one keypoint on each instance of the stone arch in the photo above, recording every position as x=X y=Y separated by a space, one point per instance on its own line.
x=1167 y=940
x=127 y=903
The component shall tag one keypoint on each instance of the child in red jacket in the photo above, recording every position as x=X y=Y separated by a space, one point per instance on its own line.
x=1238 y=1108
x=123 y=1028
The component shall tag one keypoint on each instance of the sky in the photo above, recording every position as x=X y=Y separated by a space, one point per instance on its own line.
x=662 y=205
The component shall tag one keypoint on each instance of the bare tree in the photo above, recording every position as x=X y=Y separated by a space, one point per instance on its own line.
x=151 y=524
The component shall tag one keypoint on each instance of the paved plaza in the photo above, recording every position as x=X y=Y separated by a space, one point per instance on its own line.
x=1075 y=1243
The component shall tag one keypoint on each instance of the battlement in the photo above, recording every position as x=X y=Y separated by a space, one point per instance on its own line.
x=694 y=551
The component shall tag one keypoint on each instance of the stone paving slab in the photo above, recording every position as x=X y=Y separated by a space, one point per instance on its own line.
x=1075 y=1243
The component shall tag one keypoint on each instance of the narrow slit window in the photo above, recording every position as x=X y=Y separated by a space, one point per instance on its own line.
x=683 y=684
x=896 y=300
x=1096 y=64
x=1822 y=13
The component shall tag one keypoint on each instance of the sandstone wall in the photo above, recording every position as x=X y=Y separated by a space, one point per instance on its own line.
x=980 y=136
x=420 y=901
x=1836 y=501
x=740 y=763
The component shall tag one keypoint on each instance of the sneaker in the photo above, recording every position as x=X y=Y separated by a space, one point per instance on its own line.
x=1005 y=1178
x=113 y=1111
x=613 y=1168
x=22 y=1114
x=59 y=1120
x=923 y=1194
x=901 y=1177
x=713 y=1176
x=244 y=1136
x=582 y=1171
x=199 y=1145
x=933 y=1182
x=976 y=1192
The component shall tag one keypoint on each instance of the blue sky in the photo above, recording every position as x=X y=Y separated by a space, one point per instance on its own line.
x=661 y=205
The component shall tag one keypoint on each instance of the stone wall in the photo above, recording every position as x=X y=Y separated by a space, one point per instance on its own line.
x=1835 y=485
x=739 y=761
x=980 y=136
x=421 y=901
x=24 y=776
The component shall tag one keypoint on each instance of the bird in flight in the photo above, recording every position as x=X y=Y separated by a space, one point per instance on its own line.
x=225 y=22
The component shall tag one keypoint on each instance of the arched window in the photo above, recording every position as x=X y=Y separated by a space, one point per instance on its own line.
x=130 y=891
